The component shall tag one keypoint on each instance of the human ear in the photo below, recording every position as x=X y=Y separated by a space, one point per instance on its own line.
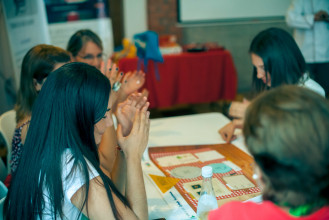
x=36 y=85
x=72 y=58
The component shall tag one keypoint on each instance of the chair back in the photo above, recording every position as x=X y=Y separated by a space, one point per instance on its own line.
x=2 y=202
x=3 y=190
x=3 y=171
x=3 y=194
x=7 y=128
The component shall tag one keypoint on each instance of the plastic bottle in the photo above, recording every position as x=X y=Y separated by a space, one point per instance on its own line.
x=207 y=200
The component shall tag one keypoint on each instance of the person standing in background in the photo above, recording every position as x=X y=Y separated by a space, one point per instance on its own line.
x=310 y=21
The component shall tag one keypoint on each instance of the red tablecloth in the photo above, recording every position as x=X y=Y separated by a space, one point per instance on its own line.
x=189 y=78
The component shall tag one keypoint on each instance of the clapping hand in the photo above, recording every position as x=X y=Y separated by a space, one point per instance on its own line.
x=132 y=82
x=126 y=111
x=135 y=143
x=111 y=71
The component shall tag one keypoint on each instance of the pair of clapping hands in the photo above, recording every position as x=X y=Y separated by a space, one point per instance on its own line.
x=133 y=124
x=132 y=114
x=123 y=83
x=237 y=111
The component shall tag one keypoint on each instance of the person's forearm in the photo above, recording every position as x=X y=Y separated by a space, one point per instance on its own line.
x=238 y=123
x=136 y=193
x=119 y=172
x=107 y=149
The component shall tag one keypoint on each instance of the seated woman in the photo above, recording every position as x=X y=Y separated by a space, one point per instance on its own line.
x=277 y=61
x=286 y=131
x=37 y=64
x=59 y=175
x=85 y=46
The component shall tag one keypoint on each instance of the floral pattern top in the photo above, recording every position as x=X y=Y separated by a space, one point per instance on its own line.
x=17 y=147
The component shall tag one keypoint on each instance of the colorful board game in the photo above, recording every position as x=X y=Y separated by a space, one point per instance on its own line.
x=230 y=182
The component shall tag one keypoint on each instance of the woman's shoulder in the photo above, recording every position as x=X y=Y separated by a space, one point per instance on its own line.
x=73 y=176
x=22 y=123
x=69 y=162
x=309 y=83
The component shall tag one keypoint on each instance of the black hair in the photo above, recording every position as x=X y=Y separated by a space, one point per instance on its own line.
x=72 y=100
x=282 y=58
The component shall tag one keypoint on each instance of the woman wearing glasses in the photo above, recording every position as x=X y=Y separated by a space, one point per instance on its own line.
x=60 y=174
x=86 y=47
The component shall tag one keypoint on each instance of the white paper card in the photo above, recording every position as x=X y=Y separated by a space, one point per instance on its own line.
x=209 y=155
x=237 y=182
x=178 y=159
x=194 y=188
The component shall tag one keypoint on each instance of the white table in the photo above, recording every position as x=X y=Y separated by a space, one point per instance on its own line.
x=195 y=129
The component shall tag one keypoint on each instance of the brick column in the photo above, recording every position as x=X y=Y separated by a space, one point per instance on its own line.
x=162 y=17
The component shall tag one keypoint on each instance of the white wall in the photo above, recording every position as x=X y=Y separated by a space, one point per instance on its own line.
x=134 y=16
x=213 y=10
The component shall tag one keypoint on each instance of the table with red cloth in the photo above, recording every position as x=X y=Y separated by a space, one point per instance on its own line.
x=188 y=78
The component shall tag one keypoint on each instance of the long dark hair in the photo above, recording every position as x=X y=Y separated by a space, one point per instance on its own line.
x=38 y=62
x=71 y=101
x=80 y=38
x=290 y=143
x=282 y=58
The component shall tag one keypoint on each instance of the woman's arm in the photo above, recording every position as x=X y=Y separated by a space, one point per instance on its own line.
x=238 y=109
x=98 y=203
x=119 y=172
x=227 y=132
x=110 y=157
x=133 y=147
x=107 y=149
x=112 y=161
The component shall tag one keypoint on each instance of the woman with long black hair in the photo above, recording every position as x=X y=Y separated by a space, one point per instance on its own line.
x=59 y=175
x=276 y=61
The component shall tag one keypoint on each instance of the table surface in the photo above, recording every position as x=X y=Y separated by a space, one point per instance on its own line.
x=198 y=129
x=229 y=151
x=188 y=78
